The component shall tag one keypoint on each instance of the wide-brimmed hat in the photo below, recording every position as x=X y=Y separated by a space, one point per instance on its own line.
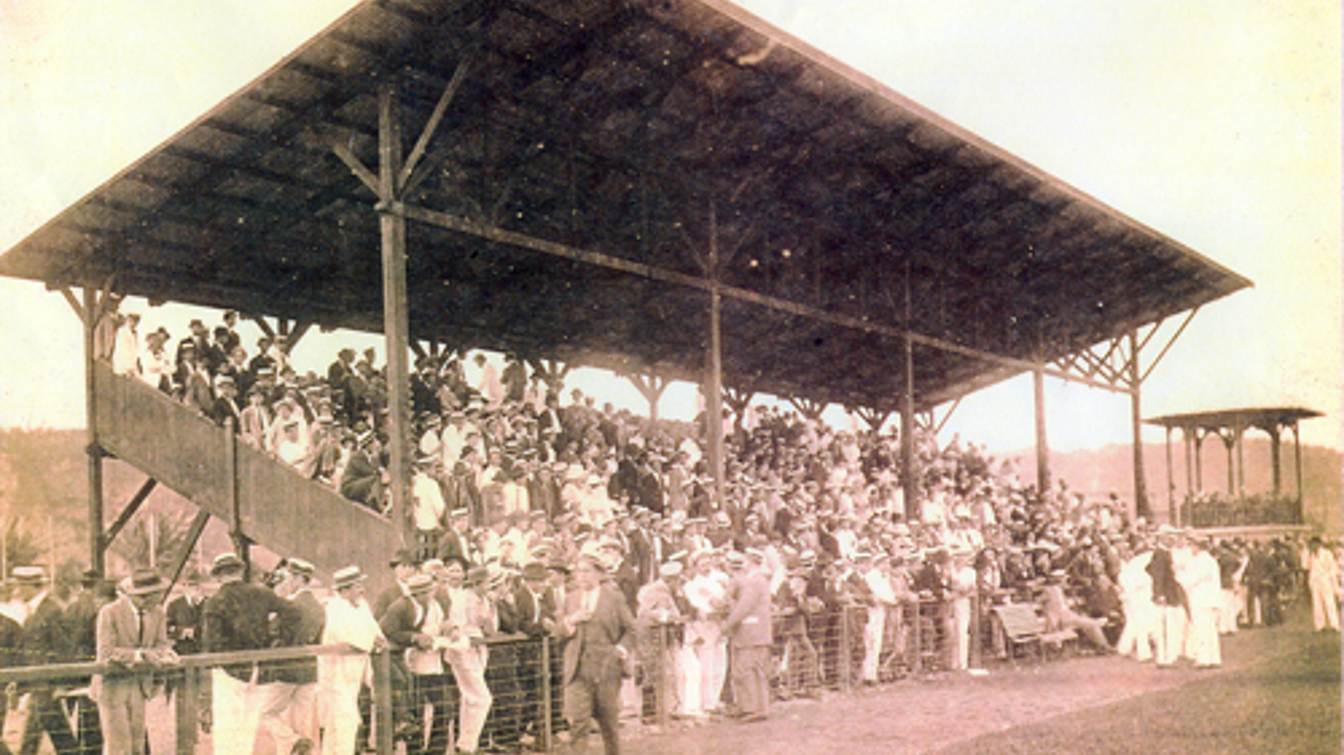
x=145 y=582
x=28 y=575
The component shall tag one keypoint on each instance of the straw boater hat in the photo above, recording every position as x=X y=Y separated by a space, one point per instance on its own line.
x=420 y=584
x=347 y=577
x=28 y=575
x=226 y=563
x=302 y=568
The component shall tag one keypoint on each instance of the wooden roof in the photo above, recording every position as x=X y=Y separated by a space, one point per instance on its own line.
x=1265 y=416
x=611 y=126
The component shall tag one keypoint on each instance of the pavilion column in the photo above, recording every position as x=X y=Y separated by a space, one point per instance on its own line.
x=1171 y=485
x=1141 y=507
x=909 y=488
x=396 y=327
x=1042 y=443
x=1199 y=461
x=1297 y=466
x=93 y=449
x=1241 y=461
x=1188 y=442
x=713 y=390
x=1274 y=460
x=1229 y=441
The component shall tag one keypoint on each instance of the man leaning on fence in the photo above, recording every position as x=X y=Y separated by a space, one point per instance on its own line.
x=349 y=622
x=748 y=630
x=237 y=617
x=132 y=636
x=289 y=705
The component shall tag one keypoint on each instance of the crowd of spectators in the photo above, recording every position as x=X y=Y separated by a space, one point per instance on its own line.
x=513 y=488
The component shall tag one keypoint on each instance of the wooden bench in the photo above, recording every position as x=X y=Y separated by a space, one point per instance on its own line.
x=1022 y=626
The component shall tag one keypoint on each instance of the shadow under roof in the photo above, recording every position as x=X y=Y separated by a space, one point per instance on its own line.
x=612 y=127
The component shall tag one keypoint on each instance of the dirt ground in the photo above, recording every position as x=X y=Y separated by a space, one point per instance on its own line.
x=984 y=714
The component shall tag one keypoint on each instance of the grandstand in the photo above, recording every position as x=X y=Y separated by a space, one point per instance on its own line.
x=667 y=189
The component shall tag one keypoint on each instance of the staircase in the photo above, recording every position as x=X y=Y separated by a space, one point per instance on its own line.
x=259 y=497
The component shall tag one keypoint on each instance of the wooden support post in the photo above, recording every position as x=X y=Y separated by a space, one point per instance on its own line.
x=296 y=334
x=1042 y=444
x=128 y=511
x=396 y=325
x=94 y=451
x=908 y=470
x=1297 y=465
x=713 y=388
x=1229 y=440
x=1241 y=462
x=1171 y=486
x=1274 y=458
x=1199 y=460
x=1141 y=507
x=193 y=537
x=1188 y=440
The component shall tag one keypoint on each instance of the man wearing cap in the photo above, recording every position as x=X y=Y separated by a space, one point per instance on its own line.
x=659 y=605
x=467 y=618
x=132 y=636
x=289 y=704
x=411 y=625
x=347 y=621
x=237 y=617
x=748 y=629
x=598 y=624
x=704 y=662
x=1172 y=611
x=225 y=408
x=533 y=619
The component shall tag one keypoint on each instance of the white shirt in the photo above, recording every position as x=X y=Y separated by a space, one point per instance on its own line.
x=354 y=625
x=429 y=504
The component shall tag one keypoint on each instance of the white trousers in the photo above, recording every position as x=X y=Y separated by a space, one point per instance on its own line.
x=961 y=635
x=235 y=711
x=1203 y=640
x=1170 y=634
x=872 y=641
x=1137 y=636
x=289 y=713
x=1324 y=607
x=469 y=671
x=1227 y=612
x=340 y=718
x=690 y=681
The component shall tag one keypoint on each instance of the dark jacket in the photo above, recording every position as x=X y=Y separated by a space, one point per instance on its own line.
x=238 y=617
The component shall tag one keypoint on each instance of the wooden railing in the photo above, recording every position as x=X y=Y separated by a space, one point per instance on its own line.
x=259 y=497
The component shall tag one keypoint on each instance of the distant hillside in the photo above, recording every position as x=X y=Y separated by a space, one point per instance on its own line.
x=44 y=486
x=1110 y=468
x=43 y=483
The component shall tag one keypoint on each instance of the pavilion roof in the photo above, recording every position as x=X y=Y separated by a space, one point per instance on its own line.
x=1260 y=416
x=612 y=127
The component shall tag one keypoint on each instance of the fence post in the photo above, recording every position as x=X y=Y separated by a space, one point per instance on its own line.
x=382 y=701
x=546 y=692
x=977 y=642
x=918 y=666
x=846 y=660
x=660 y=681
x=185 y=709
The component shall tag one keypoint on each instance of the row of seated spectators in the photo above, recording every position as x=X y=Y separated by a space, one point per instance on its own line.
x=1214 y=509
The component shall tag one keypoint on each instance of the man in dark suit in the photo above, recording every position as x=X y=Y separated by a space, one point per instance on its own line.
x=185 y=617
x=81 y=622
x=532 y=617
x=226 y=406
x=597 y=620
x=411 y=624
x=289 y=703
x=748 y=630
x=237 y=617
x=45 y=640
x=456 y=542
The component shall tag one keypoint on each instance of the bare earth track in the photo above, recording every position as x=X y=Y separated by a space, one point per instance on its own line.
x=1278 y=691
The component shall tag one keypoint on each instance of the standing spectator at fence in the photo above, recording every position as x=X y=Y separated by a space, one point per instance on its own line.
x=748 y=627
x=185 y=616
x=598 y=623
x=961 y=581
x=289 y=704
x=1323 y=584
x=706 y=662
x=45 y=640
x=412 y=625
x=534 y=619
x=237 y=617
x=348 y=621
x=465 y=622
x=81 y=622
x=132 y=636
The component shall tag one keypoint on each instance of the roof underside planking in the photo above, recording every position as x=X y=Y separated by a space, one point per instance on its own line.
x=1213 y=421
x=613 y=127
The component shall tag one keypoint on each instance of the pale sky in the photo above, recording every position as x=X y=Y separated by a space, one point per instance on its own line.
x=1215 y=122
